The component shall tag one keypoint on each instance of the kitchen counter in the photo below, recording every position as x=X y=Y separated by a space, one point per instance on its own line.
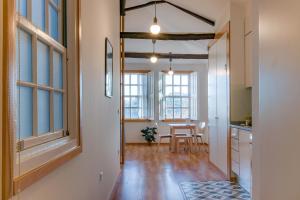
x=239 y=126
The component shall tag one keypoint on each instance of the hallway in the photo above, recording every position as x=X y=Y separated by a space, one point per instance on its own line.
x=151 y=175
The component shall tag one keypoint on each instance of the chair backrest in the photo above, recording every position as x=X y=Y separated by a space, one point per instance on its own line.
x=201 y=125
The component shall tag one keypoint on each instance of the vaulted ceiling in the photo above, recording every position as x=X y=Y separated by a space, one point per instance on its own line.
x=172 y=20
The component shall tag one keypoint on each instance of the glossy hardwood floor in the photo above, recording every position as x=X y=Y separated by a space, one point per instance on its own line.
x=151 y=175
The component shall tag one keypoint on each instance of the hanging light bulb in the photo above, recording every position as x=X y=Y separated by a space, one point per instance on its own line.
x=155 y=28
x=170 y=72
x=153 y=58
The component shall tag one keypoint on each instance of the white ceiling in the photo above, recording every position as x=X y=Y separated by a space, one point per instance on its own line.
x=172 y=20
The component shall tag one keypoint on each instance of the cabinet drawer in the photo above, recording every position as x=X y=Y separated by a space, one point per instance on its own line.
x=235 y=167
x=235 y=144
x=235 y=133
x=235 y=156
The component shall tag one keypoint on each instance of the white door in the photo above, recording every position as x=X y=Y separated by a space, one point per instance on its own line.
x=212 y=105
x=222 y=104
x=218 y=95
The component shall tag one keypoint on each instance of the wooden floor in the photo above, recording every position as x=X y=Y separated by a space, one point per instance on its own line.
x=151 y=175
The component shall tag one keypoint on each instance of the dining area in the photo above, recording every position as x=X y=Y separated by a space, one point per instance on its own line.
x=182 y=137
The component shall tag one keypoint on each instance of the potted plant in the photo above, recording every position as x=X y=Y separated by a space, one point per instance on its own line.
x=149 y=134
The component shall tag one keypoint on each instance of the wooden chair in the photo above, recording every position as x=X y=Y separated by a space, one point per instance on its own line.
x=162 y=136
x=200 y=133
x=188 y=142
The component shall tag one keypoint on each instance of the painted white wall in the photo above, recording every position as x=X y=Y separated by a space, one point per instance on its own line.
x=132 y=130
x=278 y=131
x=78 y=179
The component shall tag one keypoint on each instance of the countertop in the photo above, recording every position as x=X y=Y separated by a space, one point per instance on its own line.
x=239 y=126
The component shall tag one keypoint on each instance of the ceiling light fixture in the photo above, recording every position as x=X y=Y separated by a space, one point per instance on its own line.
x=170 y=72
x=155 y=28
x=153 y=58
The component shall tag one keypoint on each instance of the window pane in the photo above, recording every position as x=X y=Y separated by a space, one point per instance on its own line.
x=134 y=79
x=168 y=80
x=177 y=102
x=134 y=102
x=169 y=91
x=58 y=111
x=43 y=64
x=185 y=102
x=177 y=91
x=56 y=2
x=134 y=90
x=185 y=113
x=43 y=111
x=177 y=113
x=38 y=13
x=135 y=113
x=57 y=70
x=184 y=79
x=53 y=22
x=25 y=112
x=169 y=113
x=24 y=56
x=127 y=90
x=176 y=79
x=169 y=102
x=184 y=90
x=127 y=79
x=22 y=7
x=127 y=113
x=127 y=102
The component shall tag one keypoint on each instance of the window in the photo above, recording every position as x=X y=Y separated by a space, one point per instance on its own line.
x=177 y=95
x=41 y=64
x=43 y=81
x=135 y=95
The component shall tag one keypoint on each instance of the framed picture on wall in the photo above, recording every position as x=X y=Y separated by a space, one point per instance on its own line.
x=108 y=68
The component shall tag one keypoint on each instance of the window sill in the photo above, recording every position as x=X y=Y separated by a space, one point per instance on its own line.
x=137 y=120
x=37 y=162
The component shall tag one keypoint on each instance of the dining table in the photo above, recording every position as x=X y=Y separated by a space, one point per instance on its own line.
x=173 y=127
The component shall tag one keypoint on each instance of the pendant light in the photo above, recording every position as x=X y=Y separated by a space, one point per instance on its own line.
x=153 y=58
x=170 y=72
x=155 y=28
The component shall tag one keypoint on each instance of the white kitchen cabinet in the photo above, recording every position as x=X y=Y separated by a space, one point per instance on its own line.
x=249 y=60
x=245 y=150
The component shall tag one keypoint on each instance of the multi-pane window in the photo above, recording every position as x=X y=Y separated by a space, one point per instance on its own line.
x=41 y=64
x=176 y=96
x=135 y=95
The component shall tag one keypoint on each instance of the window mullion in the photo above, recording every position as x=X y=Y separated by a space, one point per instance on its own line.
x=65 y=94
x=29 y=10
x=51 y=91
x=60 y=22
x=35 y=89
x=47 y=17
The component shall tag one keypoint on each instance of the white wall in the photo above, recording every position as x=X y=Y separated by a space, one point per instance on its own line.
x=78 y=179
x=278 y=131
x=132 y=130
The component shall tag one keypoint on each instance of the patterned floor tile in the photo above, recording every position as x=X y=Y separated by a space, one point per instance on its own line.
x=214 y=190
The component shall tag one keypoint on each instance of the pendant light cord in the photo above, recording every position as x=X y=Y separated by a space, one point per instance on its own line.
x=153 y=41
x=155 y=9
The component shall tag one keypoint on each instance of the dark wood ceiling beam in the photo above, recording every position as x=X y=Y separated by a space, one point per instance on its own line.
x=204 y=19
x=122 y=7
x=143 y=5
x=167 y=36
x=165 y=55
